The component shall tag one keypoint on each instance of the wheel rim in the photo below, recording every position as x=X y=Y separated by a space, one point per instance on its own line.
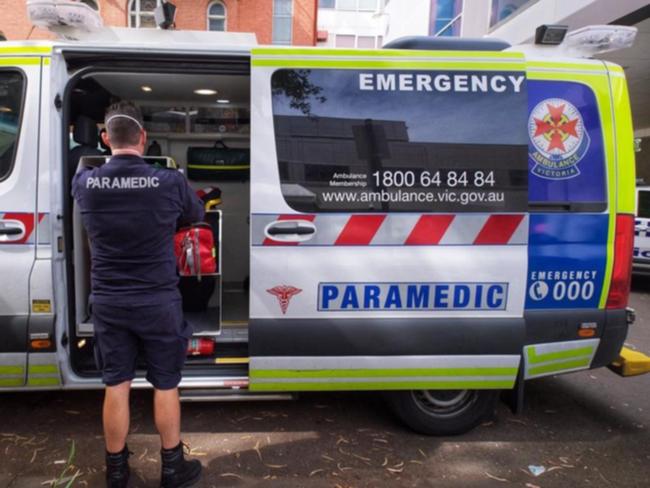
x=444 y=403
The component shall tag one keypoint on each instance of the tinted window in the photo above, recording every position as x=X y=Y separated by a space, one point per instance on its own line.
x=566 y=153
x=644 y=204
x=351 y=140
x=11 y=106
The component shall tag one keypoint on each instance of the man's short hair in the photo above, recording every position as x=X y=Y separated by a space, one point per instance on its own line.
x=123 y=131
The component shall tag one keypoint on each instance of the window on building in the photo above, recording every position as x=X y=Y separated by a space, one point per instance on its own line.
x=326 y=3
x=362 y=42
x=344 y=40
x=366 y=42
x=217 y=17
x=446 y=18
x=502 y=9
x=12 y=89
x=282 y=18
x=92 y=4
x=346 y=4
x=367 y=5
x=141 y=13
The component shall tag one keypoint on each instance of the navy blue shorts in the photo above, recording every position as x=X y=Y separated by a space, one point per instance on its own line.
x=159 y=333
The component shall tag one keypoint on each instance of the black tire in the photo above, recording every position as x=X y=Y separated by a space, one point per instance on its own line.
x=443 y=412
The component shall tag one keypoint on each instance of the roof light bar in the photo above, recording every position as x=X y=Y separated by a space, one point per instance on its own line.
x=63 y=16
x=597 y=39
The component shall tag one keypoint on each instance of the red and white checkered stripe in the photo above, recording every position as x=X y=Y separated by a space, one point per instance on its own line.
x=401 y=229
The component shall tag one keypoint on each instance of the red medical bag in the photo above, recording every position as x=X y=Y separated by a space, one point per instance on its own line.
x=195 y=251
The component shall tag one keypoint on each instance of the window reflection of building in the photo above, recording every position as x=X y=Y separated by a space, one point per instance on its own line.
x=310 y=151
x=313 y=152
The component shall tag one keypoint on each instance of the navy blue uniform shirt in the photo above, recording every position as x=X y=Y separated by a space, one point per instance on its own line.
x=131 y=211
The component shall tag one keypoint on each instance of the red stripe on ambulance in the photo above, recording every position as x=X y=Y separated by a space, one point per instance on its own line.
x=359 y=230
x=401 y=229
x=498 y=229
x=429 y=229
x=27 y=219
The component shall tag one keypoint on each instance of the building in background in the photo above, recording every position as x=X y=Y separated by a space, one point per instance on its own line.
x=351 y=23
x=424 y=18
x=273 y=21
x=515 y=21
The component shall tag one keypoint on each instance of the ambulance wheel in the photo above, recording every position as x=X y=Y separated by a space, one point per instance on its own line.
x=443 y=412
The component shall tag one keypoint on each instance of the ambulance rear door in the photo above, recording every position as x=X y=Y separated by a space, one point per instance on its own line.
x=20 y=80
x=389 y=219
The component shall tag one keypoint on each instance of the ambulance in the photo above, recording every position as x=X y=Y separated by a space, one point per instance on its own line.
x=439 y=220
x=641 y=261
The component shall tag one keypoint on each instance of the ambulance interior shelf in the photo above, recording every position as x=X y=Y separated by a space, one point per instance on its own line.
x=201 y=292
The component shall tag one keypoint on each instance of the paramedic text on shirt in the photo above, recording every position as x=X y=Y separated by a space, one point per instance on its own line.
x=131 y=210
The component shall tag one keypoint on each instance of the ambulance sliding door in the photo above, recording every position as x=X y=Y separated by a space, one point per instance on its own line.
x=388 y=218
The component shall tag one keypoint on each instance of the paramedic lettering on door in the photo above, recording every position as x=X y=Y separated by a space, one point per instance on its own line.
x=351 y=140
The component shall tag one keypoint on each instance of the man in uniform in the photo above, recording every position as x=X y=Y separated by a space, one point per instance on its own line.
x=131 y=211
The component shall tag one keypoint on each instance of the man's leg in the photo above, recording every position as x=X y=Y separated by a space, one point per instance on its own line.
x=167 y=414
x=116 y=416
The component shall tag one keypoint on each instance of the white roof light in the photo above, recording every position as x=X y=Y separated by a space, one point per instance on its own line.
x=596 y=39
x=65 y=17
x=223 y=100
x=205 y=91
x=147 y=89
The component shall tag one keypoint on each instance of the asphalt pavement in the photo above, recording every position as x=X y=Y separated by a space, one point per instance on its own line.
x=583 y=429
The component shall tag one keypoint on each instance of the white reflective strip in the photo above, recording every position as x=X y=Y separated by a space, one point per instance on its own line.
x=553 y=347
x=384 y=379
x=562 y=346
x=328 y=229
x=43 y=358
x=385 y=58
x=520 y=235
x=464 y=229
x=395 y=229
x=382 y=362
x=258 y=224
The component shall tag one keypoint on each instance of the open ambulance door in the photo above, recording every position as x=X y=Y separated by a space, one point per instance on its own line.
x=389 y=224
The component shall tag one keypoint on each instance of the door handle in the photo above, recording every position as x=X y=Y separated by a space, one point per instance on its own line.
x=290 y=230
x=10 y=231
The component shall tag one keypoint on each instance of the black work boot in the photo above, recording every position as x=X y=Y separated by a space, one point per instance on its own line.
x=177 y=472
x=117 y=469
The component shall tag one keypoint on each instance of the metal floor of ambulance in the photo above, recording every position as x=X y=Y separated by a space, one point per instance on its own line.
x=234 y=321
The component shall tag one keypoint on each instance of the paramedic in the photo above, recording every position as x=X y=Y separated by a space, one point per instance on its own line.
x=131 y=211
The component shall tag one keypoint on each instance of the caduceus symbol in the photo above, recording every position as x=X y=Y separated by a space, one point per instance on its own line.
x=284 y=293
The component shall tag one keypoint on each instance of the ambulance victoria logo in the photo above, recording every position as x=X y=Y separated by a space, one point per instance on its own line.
x=284 y=294
x=559 y=139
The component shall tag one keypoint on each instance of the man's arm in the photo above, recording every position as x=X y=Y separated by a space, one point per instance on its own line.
x=192 y=207
x=78 y=181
